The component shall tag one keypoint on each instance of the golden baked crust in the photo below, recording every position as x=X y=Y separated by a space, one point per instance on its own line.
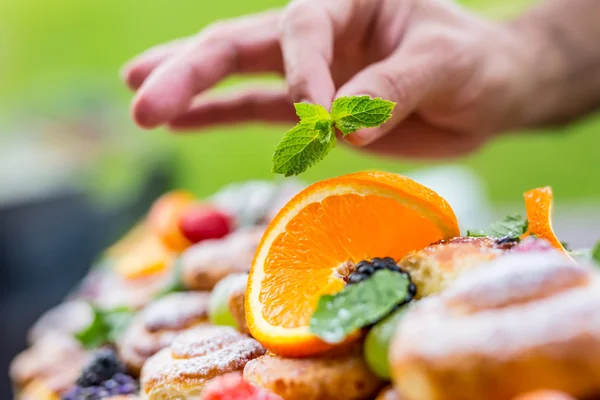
x=54 y=361
x=436 y=266
x=155 y=327
x=194 y=358
x=324 y=378
x=525 y=322
x=207 y=262
x=236 y=306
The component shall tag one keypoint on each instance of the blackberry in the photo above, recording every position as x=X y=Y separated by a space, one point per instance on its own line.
x=119 y=384
x=104 y=365
x=364 y=269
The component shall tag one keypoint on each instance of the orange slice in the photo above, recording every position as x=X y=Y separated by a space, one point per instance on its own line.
x=165 y=215
x=140 y=254
x=538 y=204
x=305 y=250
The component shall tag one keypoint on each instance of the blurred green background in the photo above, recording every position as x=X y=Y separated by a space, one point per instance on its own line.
x=50 y=48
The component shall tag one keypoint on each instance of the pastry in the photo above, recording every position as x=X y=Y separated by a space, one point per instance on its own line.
x=155 y=326
x=436 y=266
x=318 y=378
x=207 y=262
x=193 y=359
x=54 y=361
x=236 y=306
x=67 y=318
x=525 y=322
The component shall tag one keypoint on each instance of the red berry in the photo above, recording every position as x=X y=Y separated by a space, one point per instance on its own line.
x=233 y=387
x=203 y=222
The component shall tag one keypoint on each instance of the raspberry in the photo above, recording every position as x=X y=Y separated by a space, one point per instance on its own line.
x=202 y=223
x=233 y=387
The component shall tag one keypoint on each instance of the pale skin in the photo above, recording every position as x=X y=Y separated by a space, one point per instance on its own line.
x=458 y=79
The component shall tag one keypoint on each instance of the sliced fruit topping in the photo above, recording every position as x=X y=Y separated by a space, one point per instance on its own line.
x=377 y=343
x=538 y=203
x=202 y=222
x=218 y=304
x=233 y=387
x=307 y=248
x=164 y=217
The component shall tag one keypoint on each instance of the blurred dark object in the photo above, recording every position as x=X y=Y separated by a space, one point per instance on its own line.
x=46 y=247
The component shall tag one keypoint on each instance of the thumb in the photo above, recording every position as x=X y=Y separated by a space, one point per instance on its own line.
x=403 y=78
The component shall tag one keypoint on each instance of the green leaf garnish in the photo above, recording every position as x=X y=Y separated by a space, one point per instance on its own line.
x=510 y=226
x=314 y=136
x=596 y=252
x=358 y=305
x=106 y=327
x=352 y=113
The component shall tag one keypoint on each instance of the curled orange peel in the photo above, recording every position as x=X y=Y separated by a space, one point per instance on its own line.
x=538 y=204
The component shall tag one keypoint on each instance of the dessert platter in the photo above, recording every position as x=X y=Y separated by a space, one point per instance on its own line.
x=357 y=287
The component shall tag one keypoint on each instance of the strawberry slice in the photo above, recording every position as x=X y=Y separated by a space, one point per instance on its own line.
x=233 y=387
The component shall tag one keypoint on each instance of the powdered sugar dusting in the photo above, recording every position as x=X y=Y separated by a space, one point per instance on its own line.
x=514 y=278
x=176 y=311
x=219 y=350
x=554 y=325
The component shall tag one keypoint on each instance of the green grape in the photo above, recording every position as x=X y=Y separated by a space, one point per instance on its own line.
x=378 y=341
x=218 y=303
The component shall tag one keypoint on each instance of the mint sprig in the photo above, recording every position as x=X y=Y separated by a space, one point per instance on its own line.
x=512 y=226
x=106 y=327
x=596 y=252
x=358 y=305
x=314 y=136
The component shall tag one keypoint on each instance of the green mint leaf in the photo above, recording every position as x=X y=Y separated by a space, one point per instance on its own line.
x=117 y=320
x=302 y=147
x=95 y=334
x=352 y=113
x=358 y=305
x=106 y=327
x=512 y=226
x=311 y=112
x=596 y=252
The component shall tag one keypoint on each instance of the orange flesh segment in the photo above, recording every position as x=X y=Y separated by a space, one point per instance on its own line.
x=325 y=234
x=165 y=215
x=306 y=247
x=538 y=203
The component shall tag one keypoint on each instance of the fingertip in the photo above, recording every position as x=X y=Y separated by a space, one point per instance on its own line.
x=143 y=113
x=133 y=76
x=362 y=137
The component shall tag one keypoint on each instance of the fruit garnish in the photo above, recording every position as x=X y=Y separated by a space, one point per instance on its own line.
x=511 y=227
x=538 y=203
x=596 y=253
x=218 y=303
x=377 y=343
x=203 y=222
x=233 y=387
x=314 y=136
x=359 y=305
x=165 y=215
x=307 y=248
x=105 y=327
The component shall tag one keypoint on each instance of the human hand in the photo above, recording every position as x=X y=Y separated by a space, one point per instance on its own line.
x=457 y=79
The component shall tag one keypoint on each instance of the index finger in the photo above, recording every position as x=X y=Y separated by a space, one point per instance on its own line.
x=306 y=39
